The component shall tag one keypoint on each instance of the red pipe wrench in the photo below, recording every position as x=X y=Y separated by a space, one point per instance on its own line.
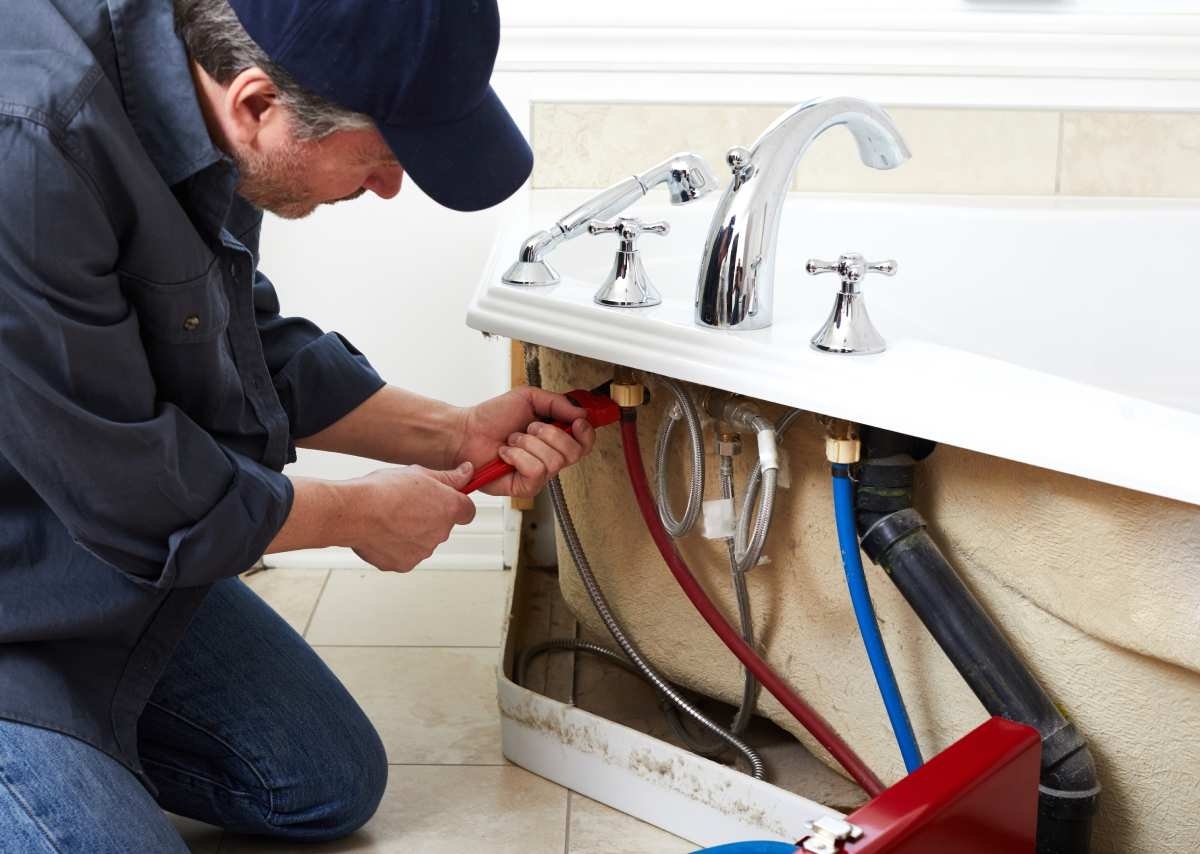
x=601 y=411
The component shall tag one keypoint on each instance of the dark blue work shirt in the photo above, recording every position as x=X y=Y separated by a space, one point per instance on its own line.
x=150 y=391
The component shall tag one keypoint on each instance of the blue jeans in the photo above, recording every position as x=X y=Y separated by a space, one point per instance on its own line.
x=247 y=729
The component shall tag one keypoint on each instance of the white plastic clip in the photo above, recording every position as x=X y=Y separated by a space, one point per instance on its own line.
x=768 y=450
x=718 y=518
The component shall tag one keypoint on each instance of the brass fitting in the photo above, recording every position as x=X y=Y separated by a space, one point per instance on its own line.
x=731 y=408
x=625 y=390
x=729 y=444
x=842 y=444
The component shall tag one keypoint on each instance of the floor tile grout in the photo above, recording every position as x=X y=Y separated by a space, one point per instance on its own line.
x=378 y=572
x=316 y=603
x=567 y=829
x=452 y=765
x=401 y=646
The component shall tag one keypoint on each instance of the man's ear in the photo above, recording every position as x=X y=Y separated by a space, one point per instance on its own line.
x=253 y=110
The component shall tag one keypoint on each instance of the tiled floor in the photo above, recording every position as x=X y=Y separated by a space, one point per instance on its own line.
x=419 y=653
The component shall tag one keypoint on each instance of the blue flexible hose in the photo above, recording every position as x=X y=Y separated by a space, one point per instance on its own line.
x=860 y=597
x=751 y=848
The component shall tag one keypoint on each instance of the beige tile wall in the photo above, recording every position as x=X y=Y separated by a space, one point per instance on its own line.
x=1038 y=152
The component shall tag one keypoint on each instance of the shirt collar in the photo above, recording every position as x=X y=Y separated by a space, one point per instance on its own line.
x=160 y=96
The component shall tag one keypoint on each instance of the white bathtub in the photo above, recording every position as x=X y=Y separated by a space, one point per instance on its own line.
x=1062 y=333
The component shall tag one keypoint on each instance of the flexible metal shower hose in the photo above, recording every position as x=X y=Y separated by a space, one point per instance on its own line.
x=568 y=645
x=583 y=567
x=710 y=750
x=757 y=768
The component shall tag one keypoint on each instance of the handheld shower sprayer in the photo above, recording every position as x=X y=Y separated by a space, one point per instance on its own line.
x=686 y=176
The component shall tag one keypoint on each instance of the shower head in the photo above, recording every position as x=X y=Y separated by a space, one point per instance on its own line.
x=686 y=176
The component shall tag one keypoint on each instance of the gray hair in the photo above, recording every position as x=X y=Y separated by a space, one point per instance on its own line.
x=216 y=39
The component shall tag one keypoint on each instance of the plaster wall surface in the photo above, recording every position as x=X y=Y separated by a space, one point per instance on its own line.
x=1094 y=585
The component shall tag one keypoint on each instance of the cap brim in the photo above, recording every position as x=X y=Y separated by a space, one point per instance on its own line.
x=467 y=164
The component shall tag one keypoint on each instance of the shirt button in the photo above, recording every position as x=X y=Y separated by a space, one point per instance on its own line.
x=191 y=323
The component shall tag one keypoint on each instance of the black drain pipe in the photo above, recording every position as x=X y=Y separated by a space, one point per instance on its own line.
x=894 y=536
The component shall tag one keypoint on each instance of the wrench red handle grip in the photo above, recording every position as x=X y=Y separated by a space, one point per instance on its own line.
x=497 y=468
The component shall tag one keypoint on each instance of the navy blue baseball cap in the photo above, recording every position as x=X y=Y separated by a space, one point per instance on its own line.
x=421 y=70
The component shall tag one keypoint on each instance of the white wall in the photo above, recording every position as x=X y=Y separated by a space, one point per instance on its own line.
x=394 y=277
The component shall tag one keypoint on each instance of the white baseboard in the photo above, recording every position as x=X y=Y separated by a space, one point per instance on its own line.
x=478 y=546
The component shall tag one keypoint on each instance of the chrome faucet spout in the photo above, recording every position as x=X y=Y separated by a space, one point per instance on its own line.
x=686 y=176
x=737 y=268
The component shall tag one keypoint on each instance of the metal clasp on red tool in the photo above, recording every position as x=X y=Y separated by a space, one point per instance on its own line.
x=601 y=411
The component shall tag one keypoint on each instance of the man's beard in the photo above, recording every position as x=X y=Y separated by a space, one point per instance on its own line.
x=276 y=182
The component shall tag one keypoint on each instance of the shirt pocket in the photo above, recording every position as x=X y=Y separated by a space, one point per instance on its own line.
x=184 y=330
x=191 y=311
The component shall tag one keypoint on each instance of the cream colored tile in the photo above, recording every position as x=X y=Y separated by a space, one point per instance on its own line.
x=199 y=837
x=422 y=608
x=594 y=145
x=597 y=829
x=1131 y=154
x=449 y=810
x=953 y=151
x=291 y=592
x=430 y=706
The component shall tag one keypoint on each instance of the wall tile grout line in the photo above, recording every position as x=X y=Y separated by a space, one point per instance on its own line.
x=1058 y=166
x=316 y=603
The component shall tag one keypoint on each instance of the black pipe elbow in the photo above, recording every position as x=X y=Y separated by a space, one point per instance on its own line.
x=894 y=535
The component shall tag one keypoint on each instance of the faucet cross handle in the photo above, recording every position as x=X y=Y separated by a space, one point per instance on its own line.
x=628 y=284
x=852 y=268
x=848 y=329
x=628 y=227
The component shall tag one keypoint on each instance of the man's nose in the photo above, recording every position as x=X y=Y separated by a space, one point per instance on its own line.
x=385 y=181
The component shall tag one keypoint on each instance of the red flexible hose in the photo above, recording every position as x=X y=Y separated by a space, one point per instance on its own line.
x=770 y=680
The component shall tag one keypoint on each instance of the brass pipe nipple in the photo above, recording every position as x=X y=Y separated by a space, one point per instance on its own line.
x=625 y=389
x=842 y=444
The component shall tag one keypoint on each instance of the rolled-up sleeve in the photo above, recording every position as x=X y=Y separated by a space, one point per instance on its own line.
x=319 y=376
x=134 y=481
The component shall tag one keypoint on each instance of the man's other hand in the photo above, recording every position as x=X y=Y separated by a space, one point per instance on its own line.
x=511 y=427
x=403 y=514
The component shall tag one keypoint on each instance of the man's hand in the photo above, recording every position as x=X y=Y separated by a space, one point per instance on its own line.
x=510 y=426
x=392 y=518
x=405 y=513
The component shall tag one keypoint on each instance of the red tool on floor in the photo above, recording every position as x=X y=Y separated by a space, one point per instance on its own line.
x=601 y=411
x=979 y=794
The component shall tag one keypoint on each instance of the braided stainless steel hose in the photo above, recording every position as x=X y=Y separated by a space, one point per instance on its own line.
x=749 y=553
x=750 y=686
x=684 y=409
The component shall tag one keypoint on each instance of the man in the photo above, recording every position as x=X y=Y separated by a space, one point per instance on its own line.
x=151 y=394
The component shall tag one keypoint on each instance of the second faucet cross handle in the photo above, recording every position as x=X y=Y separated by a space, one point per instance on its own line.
x=848 y=329
x=628 y=228
x=852 y=267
